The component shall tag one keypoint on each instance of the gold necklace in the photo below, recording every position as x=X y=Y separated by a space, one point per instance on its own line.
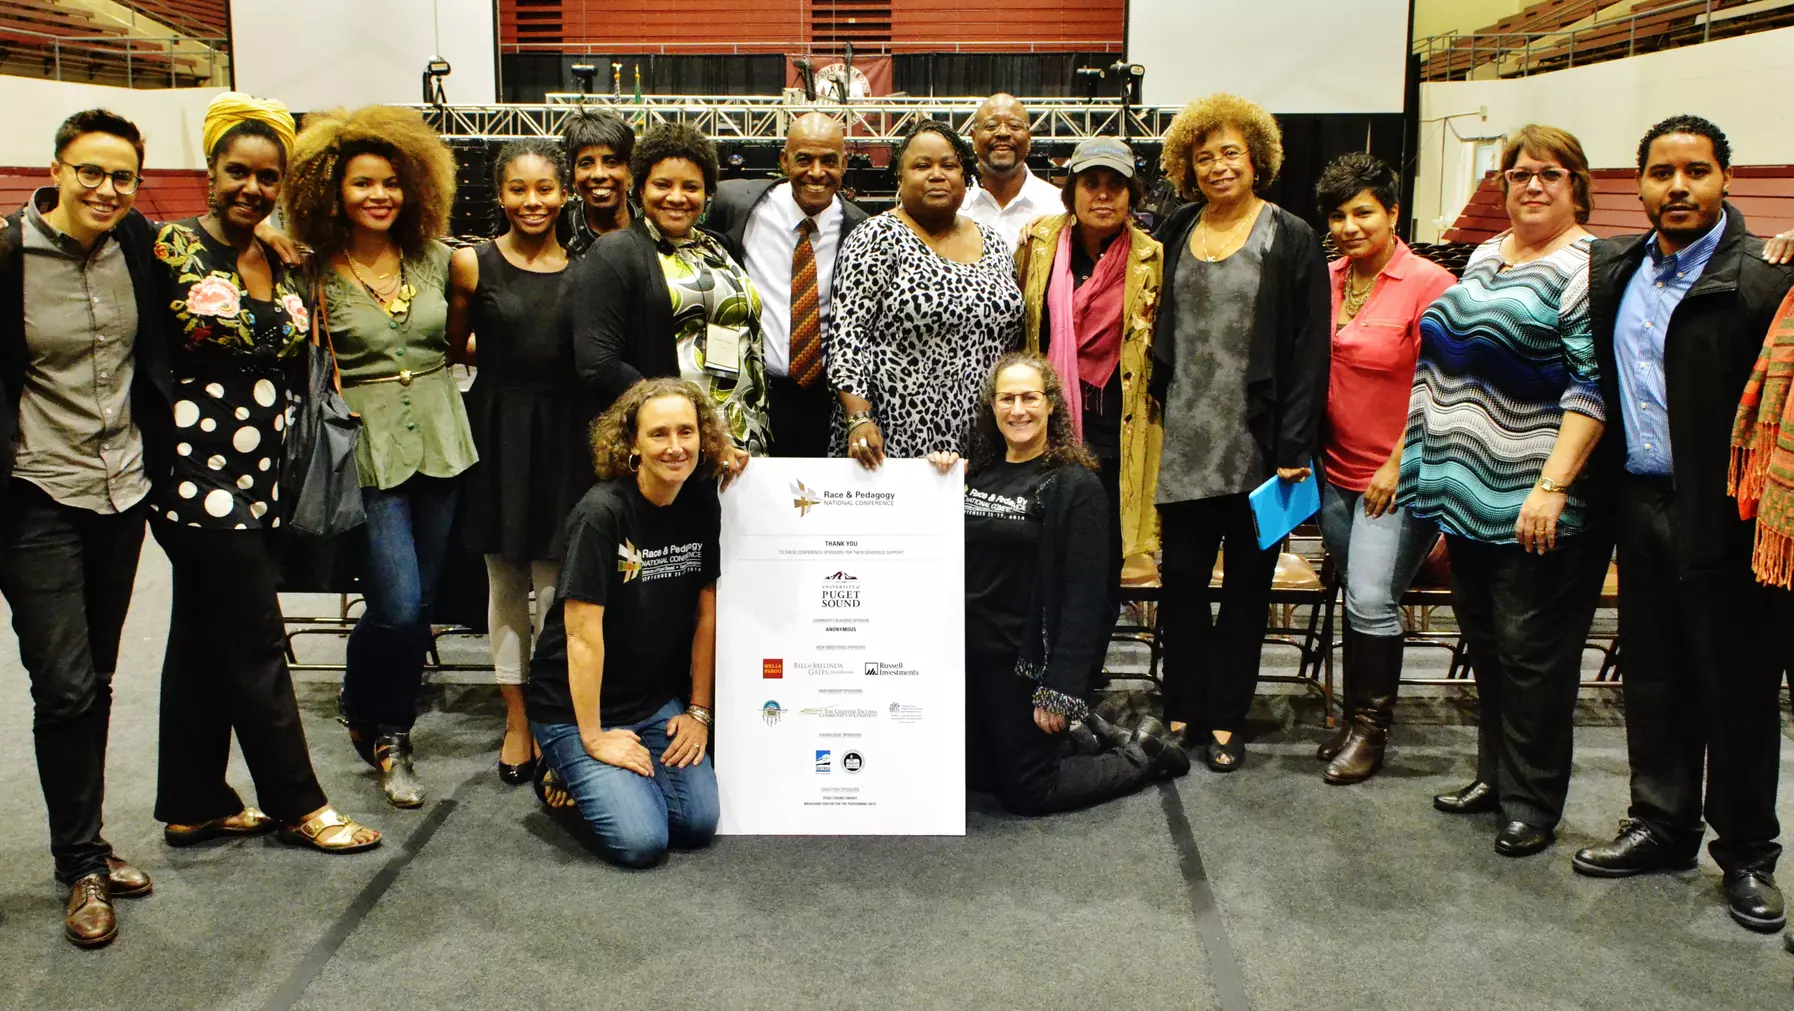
x=1355 y=297
x=1203 y=229
x=396 y=302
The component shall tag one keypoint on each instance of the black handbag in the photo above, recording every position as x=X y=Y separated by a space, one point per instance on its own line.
x=324 y=485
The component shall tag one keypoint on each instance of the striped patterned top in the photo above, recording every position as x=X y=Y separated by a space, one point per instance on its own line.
x=1503 y=354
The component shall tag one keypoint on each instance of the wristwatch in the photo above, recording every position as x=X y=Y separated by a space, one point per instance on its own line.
x=1546 y=484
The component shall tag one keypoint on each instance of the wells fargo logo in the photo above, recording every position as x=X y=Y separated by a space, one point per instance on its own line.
x=629 y=560
x=803 y=498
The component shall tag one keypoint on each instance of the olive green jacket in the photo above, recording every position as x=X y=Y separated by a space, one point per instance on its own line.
x=1142 y=426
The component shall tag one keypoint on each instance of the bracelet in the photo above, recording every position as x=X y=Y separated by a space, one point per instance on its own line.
x=698 y=713
x=855 y=420
x=1545 y=484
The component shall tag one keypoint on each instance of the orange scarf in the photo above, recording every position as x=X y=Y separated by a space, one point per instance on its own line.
x=1762 y=472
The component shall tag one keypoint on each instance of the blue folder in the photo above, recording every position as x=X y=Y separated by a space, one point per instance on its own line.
x=1279 y=506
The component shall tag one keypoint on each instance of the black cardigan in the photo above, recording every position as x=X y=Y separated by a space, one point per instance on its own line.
x=1292 y=339
x=1712 y=344
x=620 y=314
x=152 y=385
x=1069 y=602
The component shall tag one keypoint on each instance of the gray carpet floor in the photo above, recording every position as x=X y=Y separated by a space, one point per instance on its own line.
x=1265 y=889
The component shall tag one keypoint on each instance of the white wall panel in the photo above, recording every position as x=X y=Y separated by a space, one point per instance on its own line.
x=324 y=53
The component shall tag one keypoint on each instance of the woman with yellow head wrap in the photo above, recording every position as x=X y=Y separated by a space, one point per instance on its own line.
x=238 y=324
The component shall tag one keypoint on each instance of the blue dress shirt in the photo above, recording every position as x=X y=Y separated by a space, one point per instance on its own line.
x=1651 y=297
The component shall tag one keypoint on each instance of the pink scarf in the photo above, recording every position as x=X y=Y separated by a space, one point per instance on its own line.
x=1086 y=321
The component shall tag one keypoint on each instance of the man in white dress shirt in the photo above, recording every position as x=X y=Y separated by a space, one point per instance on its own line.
x=787 y=235
x=1008 y=196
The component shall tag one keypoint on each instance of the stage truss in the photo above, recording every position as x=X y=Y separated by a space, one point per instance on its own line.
x=752 y=119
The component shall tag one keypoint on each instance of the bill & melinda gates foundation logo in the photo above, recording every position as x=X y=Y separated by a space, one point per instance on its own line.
x=804 y=498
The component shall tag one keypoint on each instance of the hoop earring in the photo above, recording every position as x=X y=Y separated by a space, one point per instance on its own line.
x=634 y=462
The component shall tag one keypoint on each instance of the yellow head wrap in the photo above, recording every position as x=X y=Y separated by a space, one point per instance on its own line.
x=233 y=107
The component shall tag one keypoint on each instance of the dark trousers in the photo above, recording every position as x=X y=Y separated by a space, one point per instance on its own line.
x=1211 y=662
x=67 y=576
x=800 y=419
x=1525 y=619
x=407 y=532
x=1032 y=772
x=1109 y=473
x=1702 y=684
x=226 y=668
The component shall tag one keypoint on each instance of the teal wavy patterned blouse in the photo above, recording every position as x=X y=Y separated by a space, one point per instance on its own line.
x=1503 y=354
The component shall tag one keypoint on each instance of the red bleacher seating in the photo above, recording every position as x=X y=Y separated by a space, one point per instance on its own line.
x=1764 y=194
x=166 y=194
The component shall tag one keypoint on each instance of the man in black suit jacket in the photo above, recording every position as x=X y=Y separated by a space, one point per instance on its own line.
x=760 y=220
x=1678 y=317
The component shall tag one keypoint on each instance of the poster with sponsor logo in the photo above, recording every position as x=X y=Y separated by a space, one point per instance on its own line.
x=840 y=668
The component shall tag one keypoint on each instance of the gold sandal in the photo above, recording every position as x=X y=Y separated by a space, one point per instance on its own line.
x=249 y=821
x=330 y=832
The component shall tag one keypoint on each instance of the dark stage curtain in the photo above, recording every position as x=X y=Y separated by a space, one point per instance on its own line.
x=529 y=76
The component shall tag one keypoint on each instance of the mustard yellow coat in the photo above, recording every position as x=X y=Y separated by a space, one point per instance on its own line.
x=1142 y=425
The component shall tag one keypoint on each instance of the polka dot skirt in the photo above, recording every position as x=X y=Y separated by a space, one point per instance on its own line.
x=229 y=432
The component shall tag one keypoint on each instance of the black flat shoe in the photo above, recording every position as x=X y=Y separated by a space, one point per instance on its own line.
x=1754 y=901
x=517 y=775
x=1518 y=839
x=1473 y=799
x=1226 y=757
x=1635 y=851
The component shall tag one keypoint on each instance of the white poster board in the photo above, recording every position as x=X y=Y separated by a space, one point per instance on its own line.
x=840 y=667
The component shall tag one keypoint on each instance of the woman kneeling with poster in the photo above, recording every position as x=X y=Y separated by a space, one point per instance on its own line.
x=621 y=682
x=1037 y=607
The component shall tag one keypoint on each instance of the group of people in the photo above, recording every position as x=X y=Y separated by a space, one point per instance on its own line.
x=1113 y=395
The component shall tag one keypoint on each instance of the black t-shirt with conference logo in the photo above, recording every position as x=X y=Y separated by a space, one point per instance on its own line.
x=1004 y=524
x=645 y=565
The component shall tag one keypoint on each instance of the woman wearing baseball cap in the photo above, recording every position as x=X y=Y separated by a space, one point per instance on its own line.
x=1090 y=282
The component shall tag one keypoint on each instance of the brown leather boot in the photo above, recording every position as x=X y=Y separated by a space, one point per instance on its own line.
x=90 y=921
x=1378 y=676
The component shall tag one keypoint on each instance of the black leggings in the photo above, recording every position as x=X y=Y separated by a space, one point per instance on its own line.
x=1211 y=662
x=1032 y=772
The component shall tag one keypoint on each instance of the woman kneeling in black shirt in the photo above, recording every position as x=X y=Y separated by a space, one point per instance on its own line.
x=1037 y=610
x=620 y=689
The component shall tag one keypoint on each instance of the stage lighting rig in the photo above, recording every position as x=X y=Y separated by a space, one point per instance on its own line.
x=434 y=73
x=586 y=74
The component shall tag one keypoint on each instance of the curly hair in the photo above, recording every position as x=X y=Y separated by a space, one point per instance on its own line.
x=1560 y=146
x=962 y=148
x=613 y=434
x=1264 y=140
x=311 y=201
x=1062 y=447
x=672 y=140
x=1694 y=125
x=1351 y=174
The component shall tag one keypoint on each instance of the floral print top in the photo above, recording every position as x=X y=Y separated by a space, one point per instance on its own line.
x=234 y=392
x=716 y=305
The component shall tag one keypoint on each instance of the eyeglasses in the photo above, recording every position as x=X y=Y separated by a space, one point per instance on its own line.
x=1233 y=158
x=1030 y=400
x=1010 y=125
x=91 y=176
x=1547 y=176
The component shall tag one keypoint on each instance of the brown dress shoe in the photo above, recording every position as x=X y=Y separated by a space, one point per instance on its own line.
x=126 y=881
x=90 y=921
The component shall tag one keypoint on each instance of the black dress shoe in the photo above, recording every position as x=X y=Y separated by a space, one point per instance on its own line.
x=1473 y=799
x=1226 y=757
x=1518 y=839
x=1635 y=851
x=517 y=775
x=1167 y=758
x=1754 y=901
x=1084 y=741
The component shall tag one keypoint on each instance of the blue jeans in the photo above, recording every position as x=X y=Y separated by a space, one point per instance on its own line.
x=634 y=818
x=407 y=537
x=1379 y=557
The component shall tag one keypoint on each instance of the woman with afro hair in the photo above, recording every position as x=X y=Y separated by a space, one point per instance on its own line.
x=370 y=191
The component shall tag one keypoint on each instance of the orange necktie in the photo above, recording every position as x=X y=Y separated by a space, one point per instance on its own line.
x=806 y=311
